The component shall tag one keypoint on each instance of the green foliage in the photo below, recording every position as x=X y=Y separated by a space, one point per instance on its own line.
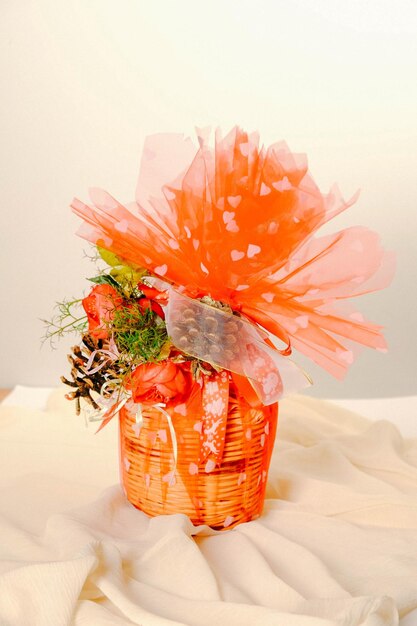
x=139 y=334
x=65 y=321
x=103 y=279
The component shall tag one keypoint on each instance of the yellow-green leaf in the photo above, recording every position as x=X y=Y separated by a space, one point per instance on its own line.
x=109 y=257
x=165 y=350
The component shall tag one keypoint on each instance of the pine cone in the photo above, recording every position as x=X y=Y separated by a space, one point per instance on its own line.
x=83 y=383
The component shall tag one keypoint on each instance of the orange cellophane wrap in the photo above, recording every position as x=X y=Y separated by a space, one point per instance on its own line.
x=226 y=495
x=238 y=223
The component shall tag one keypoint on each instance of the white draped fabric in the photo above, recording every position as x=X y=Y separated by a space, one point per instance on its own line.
x=335 y=546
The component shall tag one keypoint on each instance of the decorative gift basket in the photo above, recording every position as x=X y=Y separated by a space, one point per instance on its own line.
x=213 y=275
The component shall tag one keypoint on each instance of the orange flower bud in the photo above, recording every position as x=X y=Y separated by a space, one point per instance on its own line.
x=99 y=306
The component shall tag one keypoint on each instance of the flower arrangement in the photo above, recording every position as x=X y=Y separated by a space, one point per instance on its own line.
x=123 y=333
x=214 y=274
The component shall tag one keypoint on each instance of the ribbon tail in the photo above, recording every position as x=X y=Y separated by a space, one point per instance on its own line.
x=171 y=432
x=246 y=390
x=269 y=373
x=110 y=413
x=215 y=407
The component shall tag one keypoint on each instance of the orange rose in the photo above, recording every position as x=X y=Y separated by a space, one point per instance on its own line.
x=159 y=381
x=99 y=306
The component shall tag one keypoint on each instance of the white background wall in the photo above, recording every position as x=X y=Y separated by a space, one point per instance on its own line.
x=83 y=82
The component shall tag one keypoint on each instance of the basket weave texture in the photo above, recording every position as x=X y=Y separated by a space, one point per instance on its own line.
x=230 y=493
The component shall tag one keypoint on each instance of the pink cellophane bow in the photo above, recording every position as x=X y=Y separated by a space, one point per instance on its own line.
x=232 y=343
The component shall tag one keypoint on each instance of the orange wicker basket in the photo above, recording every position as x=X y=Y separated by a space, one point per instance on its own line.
x=230 y=494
